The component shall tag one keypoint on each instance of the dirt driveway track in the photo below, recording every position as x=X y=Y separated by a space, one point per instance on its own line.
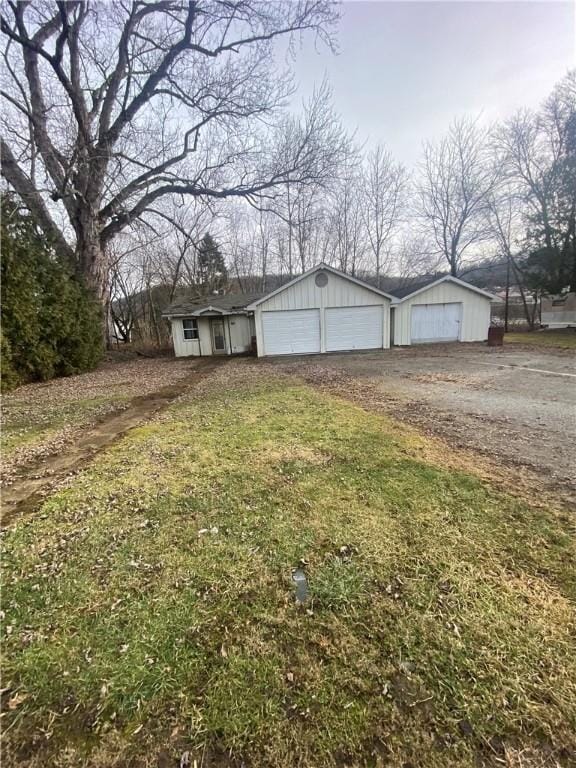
x=38 y=478
x=517 y=405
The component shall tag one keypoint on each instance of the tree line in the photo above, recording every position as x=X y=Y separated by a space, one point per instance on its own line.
x=503 y=193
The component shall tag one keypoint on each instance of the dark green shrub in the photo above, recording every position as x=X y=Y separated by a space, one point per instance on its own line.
x=50 y=323
x=8 y=374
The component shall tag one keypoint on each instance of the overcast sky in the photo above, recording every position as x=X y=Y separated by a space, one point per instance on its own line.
x=405 y=69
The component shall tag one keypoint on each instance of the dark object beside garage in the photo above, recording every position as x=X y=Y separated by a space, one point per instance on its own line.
x=495 y=336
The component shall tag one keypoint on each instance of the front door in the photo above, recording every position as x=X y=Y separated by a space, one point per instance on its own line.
x=218 y=336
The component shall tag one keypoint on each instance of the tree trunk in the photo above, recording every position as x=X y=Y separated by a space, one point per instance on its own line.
x=571 y=249
x=534 y=308
x=507 y=304
x=93 y=268
x=289 y=231
x=153 y=318
x=518 y=275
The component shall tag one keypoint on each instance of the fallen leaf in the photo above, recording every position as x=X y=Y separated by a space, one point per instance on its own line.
x=15 y=701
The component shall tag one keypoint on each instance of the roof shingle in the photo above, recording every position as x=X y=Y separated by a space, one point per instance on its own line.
x=227 y=303
x=415 y=285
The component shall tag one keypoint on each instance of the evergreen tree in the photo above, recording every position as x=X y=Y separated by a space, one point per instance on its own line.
x=550 y=270
x=49 y=321
x=212 y=272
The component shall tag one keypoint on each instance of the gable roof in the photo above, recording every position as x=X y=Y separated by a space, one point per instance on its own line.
x=234 y=303
x=421 y=286
x=414 y=284
x=228 y=304
x=317 y=268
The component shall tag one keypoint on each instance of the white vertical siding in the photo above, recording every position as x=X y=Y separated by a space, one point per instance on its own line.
x=193 y=347
x=305 y=294
x=237 y=333
x=339 y=292
x=475 y=312
x=239 y=327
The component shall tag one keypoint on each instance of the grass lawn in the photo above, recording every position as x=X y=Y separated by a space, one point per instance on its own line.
x=149 y=607
x=562 y=339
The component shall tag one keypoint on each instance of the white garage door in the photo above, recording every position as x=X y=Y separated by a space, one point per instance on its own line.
x=293 y=332
x=436 y=322
x=350 y=328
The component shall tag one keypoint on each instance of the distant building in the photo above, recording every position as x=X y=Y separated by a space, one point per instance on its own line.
x=558 y=311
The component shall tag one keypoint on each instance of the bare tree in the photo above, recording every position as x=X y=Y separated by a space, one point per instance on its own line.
x=384 y=185
x=122 y=312
x=242 y=262
x=327 y=147
x=264 y=238
x=505 y=217
x=113 y=106
x=346 y=223
x=456 y=178
x=137 y=267
x=187 y=220
x=304 y=223
x=414 y=257
x=538 y=153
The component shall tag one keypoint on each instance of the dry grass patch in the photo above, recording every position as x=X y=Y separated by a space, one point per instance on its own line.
x=462 y=380
x=561 y=339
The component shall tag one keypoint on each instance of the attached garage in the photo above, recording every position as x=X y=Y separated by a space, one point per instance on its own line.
x=441 y=310
x=349 y=328
x=292 y=332
x=323 y=310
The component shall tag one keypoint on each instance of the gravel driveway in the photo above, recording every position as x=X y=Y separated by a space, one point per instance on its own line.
x=515 y=404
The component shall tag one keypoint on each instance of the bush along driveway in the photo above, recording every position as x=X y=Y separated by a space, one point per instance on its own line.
x=150 y=612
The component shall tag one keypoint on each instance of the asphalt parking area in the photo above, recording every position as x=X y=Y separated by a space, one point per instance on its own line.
x=517 y=405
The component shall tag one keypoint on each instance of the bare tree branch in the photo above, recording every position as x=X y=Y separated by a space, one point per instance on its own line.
x=133 y=102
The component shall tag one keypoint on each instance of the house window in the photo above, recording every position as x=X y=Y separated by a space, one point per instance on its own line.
x=190 y=326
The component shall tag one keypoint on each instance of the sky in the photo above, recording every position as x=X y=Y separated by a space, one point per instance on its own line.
x=406 y=69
